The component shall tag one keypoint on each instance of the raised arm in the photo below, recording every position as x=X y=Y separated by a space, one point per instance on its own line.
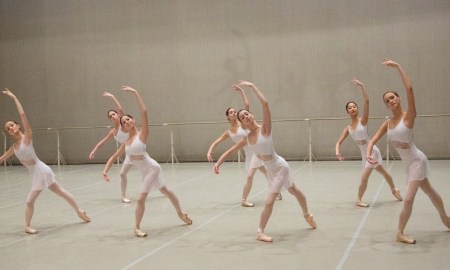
x=380 y=132
x=244 y=97
x=266 y=128
x=111 y=160
x=411 y=110
x=222 y=138
x=110 y=135
x=365 y=115
x=144 y=118
x=338 y=144
x=116 y=102
x=232 y=149
x=23 y=117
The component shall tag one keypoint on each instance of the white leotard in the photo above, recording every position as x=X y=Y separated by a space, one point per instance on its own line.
x=278 y=170
x=362 y=139
x=415 y=160
x=121 y=137
x=152 y=177
x=41 y=174
x=251 y=161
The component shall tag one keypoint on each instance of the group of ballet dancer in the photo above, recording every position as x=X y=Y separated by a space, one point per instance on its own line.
x=256 y=140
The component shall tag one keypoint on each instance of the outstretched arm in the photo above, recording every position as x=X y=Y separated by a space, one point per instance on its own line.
x=365 y=116
x=144 y=118
x=338 y=144
x=23 y=117
x=381 y=131
x=244 y=97
x=411 y=113
x=102 y=142
x=222 y=158
x=222 y=138
x=118 y=106
x=7 y=154
x=111 y=160
x=266 y=128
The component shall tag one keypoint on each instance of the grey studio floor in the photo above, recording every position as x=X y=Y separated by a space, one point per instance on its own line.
x=223 y=233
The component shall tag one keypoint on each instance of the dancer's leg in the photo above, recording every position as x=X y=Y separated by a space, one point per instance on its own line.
x=29 y=210
x=363 y=186
x=57 y=189
x=139 y=213
x=436 y=199
x=176 y=203
x=124 y=181
x=405 y=214
x=387 y=176
x=301 y=198
x=247 y=187
x=265 y=215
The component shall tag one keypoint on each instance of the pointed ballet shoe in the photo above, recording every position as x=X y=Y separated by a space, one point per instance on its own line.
x=264 y=238
x=310 y=220
x=139 y=233
x=82 y=214
x=279 y=197
x=246 y=203
x=403 y=239
x=396 y=193
x=186 y=219
x=126 y=200
x=361 y=204
x=30 y=230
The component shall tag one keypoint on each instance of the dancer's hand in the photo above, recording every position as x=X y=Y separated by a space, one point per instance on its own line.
x=390 y=63
x=340 y=157
x=371 y=160
x=105 y=177
x=210 y=159
x=8 y=93
x=216 y=169
x=358 y=83
x=129 y=89
x=245 y=83
x=91 y=155
x=237 y=88
x=107 y=94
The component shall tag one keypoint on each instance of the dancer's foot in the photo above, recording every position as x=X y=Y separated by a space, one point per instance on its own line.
x=30 y=230
x=279 y=197
x=246 y=203
x=125 y=200
x=310 y=220
x=396 y=193
x=403 y=239
x=361 y=204
x=82 y=214
x=260 y=236
x=184 y=217
x=139 y=233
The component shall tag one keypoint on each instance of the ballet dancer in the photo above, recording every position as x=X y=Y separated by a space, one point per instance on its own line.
x=120 y=136
x=278 y=171
x=399 y=129
x=358 y=131
x=41 y=175
x=152 y=178
x=236 y=132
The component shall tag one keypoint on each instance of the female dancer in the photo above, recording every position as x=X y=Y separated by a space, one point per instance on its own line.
x=41 y=175
x=120 y=136
x=152 y=177
x=358 y=131
x=278 y=173
x=399 y=129
x=236 y=133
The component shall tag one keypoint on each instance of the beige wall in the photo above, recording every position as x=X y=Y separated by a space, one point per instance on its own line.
x=59 y=56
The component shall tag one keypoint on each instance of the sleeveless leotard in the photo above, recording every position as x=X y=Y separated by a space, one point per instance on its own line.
x=251 y=161
x=41 y=174
x=415 y=160
x=278 y=170
x=152 y=177
x=121 y=137
x=361 y=137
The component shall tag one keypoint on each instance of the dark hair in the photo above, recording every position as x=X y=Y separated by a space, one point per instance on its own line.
x=387 y=92
x=227 y=111
x=126 y=115
x=240 y=112
x=107 y=114
x=348 y=103
x=20 y=128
